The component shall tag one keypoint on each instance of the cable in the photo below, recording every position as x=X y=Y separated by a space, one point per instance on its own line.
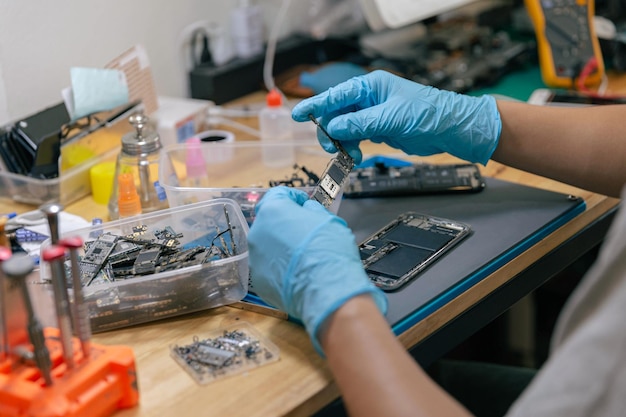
x=590 y=67
x=217 y=120
x=244 y=111
x=270 y=52
x=188 y=35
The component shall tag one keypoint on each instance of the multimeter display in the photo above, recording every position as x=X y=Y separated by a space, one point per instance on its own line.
x=566 y=40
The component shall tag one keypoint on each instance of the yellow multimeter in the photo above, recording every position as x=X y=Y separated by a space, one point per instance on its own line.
x=566 y=41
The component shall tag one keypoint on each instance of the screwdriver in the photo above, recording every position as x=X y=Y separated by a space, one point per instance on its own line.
x=52 y=210
x=55 y=256
x=5 y=254
x=80 y=312
x=17 y=268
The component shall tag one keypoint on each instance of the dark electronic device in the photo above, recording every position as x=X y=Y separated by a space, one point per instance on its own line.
x=398 y=252
x=567 y=98
x=32 y=147
x=566 y=41
x=382 y=180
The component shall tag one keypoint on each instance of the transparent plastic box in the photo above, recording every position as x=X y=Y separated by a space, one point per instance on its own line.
x=202 y=264
x=86 y=145
x=72 y=185
x=242 y=171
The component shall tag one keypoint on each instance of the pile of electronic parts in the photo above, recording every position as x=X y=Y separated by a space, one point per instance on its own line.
x=154 y=272
x=228 y=352
x=458 y=55
x=110 y=257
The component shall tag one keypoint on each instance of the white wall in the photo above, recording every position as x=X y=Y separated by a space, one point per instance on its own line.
x=41 y=39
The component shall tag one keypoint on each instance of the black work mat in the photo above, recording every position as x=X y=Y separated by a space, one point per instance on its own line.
x=505 y=218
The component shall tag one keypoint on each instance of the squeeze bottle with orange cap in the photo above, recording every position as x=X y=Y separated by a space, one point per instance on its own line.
x=276 y=132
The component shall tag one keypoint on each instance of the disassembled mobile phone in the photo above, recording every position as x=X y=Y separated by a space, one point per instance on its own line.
x=566 y=40
x=566 y=98
x=335 y=175
x=398 y=252
x=382 y=180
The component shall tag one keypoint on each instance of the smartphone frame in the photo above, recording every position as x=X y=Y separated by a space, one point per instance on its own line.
x=387 y=255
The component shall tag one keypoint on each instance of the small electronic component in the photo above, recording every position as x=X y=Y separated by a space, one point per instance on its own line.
x=227 y=352
x=336 y=173
x=398 y=252
x=95 y=256
x=382 y=180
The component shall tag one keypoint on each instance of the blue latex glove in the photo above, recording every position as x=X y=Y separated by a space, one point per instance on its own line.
x=330 y=75
x=414 y=118
x=304 y=260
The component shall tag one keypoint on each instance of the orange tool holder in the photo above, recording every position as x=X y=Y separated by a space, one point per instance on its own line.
x=97 y=386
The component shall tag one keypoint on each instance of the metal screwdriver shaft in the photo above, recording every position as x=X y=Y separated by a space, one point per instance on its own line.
x=52 y=211
x=17 y=269
x=80 y=312
x=55 y=256
x=5 y=255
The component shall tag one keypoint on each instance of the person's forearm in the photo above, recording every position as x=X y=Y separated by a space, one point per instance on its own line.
x=584 y=147
x=375 y=374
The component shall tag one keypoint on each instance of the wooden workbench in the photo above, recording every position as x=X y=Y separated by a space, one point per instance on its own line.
x=300 y=383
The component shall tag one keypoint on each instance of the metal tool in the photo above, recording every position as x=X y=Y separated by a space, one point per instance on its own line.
x=17 y=268
x=80 y=311
x=320 y=127
x=5 y=255
x=55 y=256
x=335 y=175
x=52 y=210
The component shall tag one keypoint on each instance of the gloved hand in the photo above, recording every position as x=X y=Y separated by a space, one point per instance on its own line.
x=417 y=119
x=304 y=260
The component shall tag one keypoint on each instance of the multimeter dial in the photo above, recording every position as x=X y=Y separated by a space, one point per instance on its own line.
x=566 y=42
x=567 y=30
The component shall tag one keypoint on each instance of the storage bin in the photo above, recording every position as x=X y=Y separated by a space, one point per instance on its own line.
x=239 y=171
x=72 y=185
x=84 y=150
x=163 y=264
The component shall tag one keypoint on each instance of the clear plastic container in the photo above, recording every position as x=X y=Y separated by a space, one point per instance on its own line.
x=118 y=297
x=79 y=154
x=275 y=125
x=72 y=185
x=238 y=171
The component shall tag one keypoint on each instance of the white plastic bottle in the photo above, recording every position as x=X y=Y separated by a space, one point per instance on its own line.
x=276 y=132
